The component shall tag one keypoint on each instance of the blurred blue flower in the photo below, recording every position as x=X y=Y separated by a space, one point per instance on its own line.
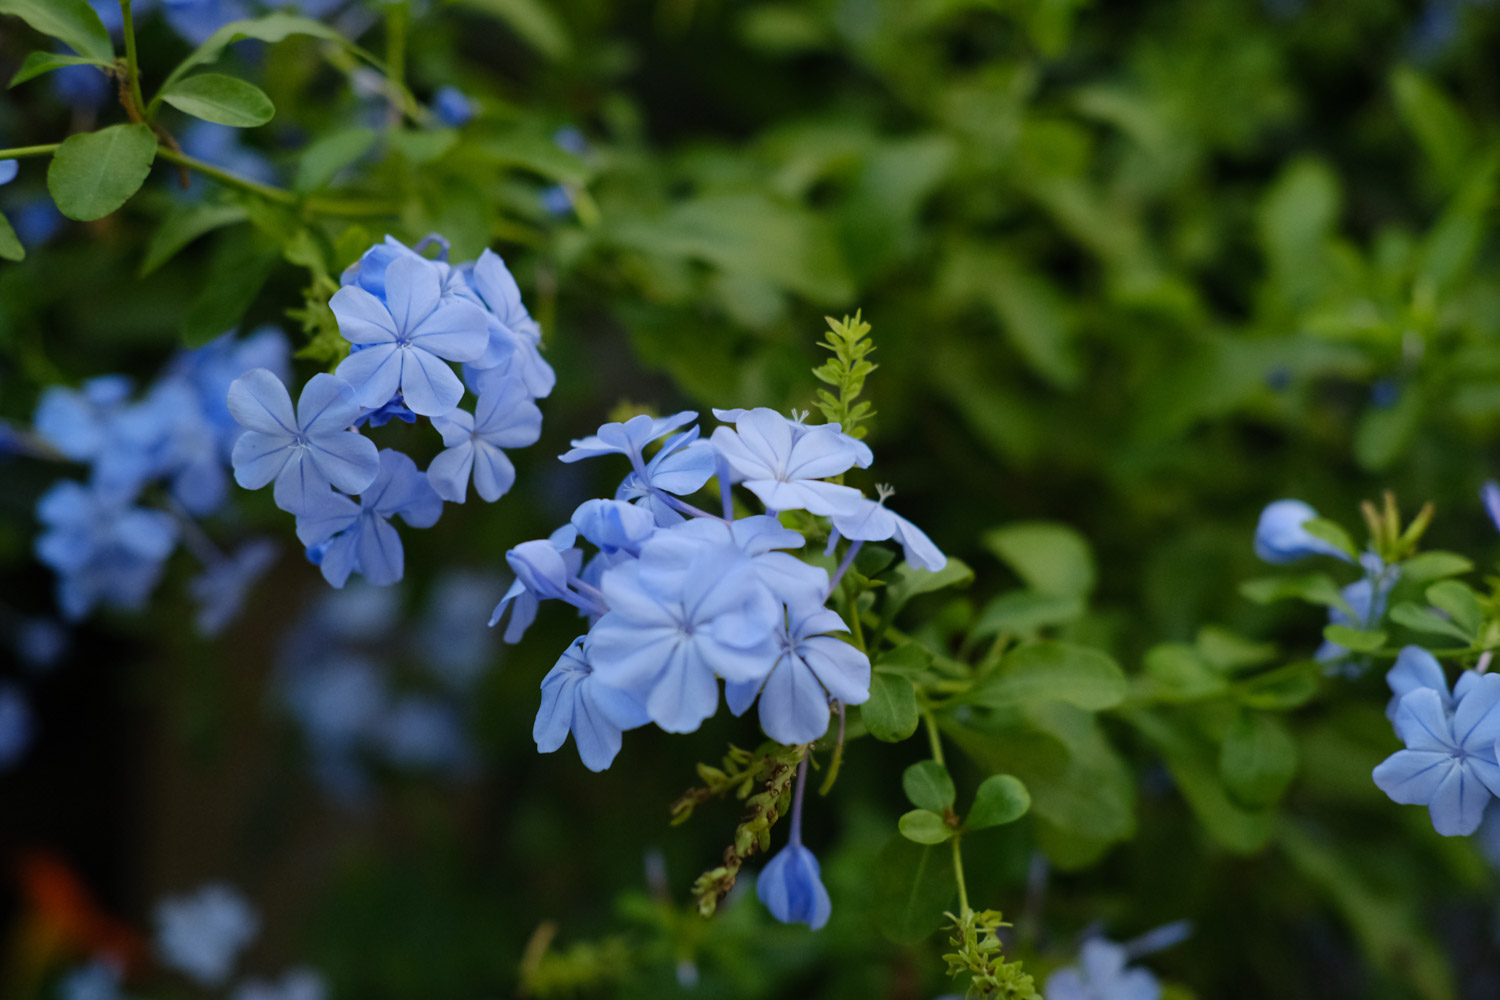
x=453 y=107
x=406 y=341
x=1489 y=493
x=1102 y=974
x=296 y=984
x=1449 y=763
x=221 y=588
x=195 y=20
x=424 y=733
x=8 y=170
x=99 y=980
x=454 y=650
x=103 y=550
x=201 y=935
x=76 y=421
x=16 y=726
x=304 y=453
x=574 y=701
x=1280 y=537
x=504 y=417
x=37 y=220
x=1366 y=599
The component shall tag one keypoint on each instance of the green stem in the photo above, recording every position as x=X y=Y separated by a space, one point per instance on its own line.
x=857 y=630
x=132 y=67
x=280 y=196
x=958 y=875
x=397 y=21
x=44 y=150
x=932 y=737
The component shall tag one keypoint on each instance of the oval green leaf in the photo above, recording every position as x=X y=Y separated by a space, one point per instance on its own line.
x=38 y=63
x=72 y=22
x=928 y=786
x=1000 y=799
x=1258 y=759
x=922 y=826
x=10 y=244
x=913 y=884
x=94 y=173
x=891 y=713
x=223 y=100
x=1053 y=671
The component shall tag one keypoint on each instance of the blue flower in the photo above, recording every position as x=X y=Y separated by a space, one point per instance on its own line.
x=1449 y=762
x=99 y=980
x=505 y=417
x=539 y=577
x=672 y=629
x=1489 y=493
x=870 y=521
x=76 y=422
x=8 y=170
x=614 y=525
x=202 y=935
x=406 y=341
x=791 y=887
x=195 y=20
x=453 y=107
x=783 y=462
x=629 y=438
x=575 y=701
x=305 y=453
x=680 y=467
x=1280 y=537
x=16 y=724
x=1416 y=668
x=1102 y=974
x=422 y=732
x=514 y=338
x=359 y=536
x=102 y=549
x=812 y=668
x=220 y=589
x=296 y=984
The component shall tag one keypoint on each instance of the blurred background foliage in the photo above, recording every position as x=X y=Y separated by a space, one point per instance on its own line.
x=1136 y=268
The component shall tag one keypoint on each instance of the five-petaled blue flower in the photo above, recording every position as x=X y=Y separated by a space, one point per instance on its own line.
x=1449 y=762
x=406 y=341
x=784 y=462
x=505 y=417
x=305 y=453
x=574 y=701
x=349 y=536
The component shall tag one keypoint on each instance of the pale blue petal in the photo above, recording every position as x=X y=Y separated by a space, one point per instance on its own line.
x=258 y=458
x=1411 y=777
x=259 y=402
x=362 y=318
x=449 y=471
x=1423 y=723
x=791 y=887
x=793 y=705
x=374 y=373
x=429 y=385
x=347 y=459
x=1458 y=804
x=494 y=474
x=1476 y=720
x=381 y=558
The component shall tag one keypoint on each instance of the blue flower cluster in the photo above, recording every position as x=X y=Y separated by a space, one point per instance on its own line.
x=1102 y=973
x=201 y=937
x=1281 y=537
x=104 y=538
x=680 y=599
x=339 y=679
x=408 y=319
x=1450 y=763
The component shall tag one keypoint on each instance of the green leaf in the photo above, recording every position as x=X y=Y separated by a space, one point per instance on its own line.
x=38 y=63
x=891 y=712
x=1314 y=588
x=910 y=581
x=10 y=244
x=910 y=660
x=1026 y=612
x=536 y=153
x=423 y=145
x=184 y=224
x=924 y=827
x=1231 y=825
x=1285 y=687
x=1420 y=619
x=330 y=154
x=94 y=173
x=1257 y=760
x=1353 y=639
x=1000 y=799
x=928 y=786
x=914 y=884
x=1460 y=602
x=1230 y=653
x=1333 y=533
x=1078 y=782
x=1053 y=559
x=72 y=22
x=1384 y=433
x=1180 y=673
x=1052 y=671
x=1442 y=131
x=1426 y=566
x=271 y=28
x=532 y=21
x=239 y=268
x=224 y=100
